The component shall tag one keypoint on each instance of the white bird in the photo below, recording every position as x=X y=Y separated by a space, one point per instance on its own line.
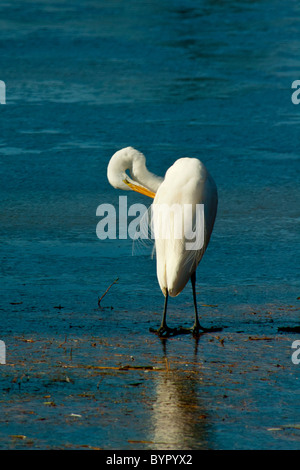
x=187 y=182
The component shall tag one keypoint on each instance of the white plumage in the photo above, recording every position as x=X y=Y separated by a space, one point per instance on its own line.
x=187 y=182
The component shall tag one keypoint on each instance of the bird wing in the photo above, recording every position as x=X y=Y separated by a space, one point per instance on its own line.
x=187 y=183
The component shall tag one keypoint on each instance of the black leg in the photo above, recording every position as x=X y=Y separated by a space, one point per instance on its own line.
x=163 y=322
x=196 y=325
x=197 y=329
x=164 y=330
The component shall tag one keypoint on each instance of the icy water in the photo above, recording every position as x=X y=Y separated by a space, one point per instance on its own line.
x=175 y=78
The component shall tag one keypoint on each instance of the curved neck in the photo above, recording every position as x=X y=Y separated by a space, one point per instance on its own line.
x=144 y=177
x=134 y=161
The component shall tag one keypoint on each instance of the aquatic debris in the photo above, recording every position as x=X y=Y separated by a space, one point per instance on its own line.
x=284 y=426
x=127 y=367
x=139 y=442
x=259 y=338
x=25 y=340
x=289 y=329
x=100 y=298
x=208 y=305
x=122 y=368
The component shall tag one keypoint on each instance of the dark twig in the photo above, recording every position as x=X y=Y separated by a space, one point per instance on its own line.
x=100 y=298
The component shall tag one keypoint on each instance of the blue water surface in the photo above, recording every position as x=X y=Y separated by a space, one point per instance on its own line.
x=203 y=78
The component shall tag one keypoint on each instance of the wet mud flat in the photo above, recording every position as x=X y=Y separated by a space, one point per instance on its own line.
x=101 y=380
x=174 y=79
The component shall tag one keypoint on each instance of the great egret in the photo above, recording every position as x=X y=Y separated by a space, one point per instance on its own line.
x=188 y=182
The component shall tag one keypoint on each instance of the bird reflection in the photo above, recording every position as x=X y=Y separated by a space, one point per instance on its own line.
x=179 y=419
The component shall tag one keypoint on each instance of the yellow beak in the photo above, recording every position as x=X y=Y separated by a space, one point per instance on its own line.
x=140 y=189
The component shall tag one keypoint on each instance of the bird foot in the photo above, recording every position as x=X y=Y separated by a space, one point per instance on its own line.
x=165 y=331
x=198 y=330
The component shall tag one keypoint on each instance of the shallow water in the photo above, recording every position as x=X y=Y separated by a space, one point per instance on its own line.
x=206 y=79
